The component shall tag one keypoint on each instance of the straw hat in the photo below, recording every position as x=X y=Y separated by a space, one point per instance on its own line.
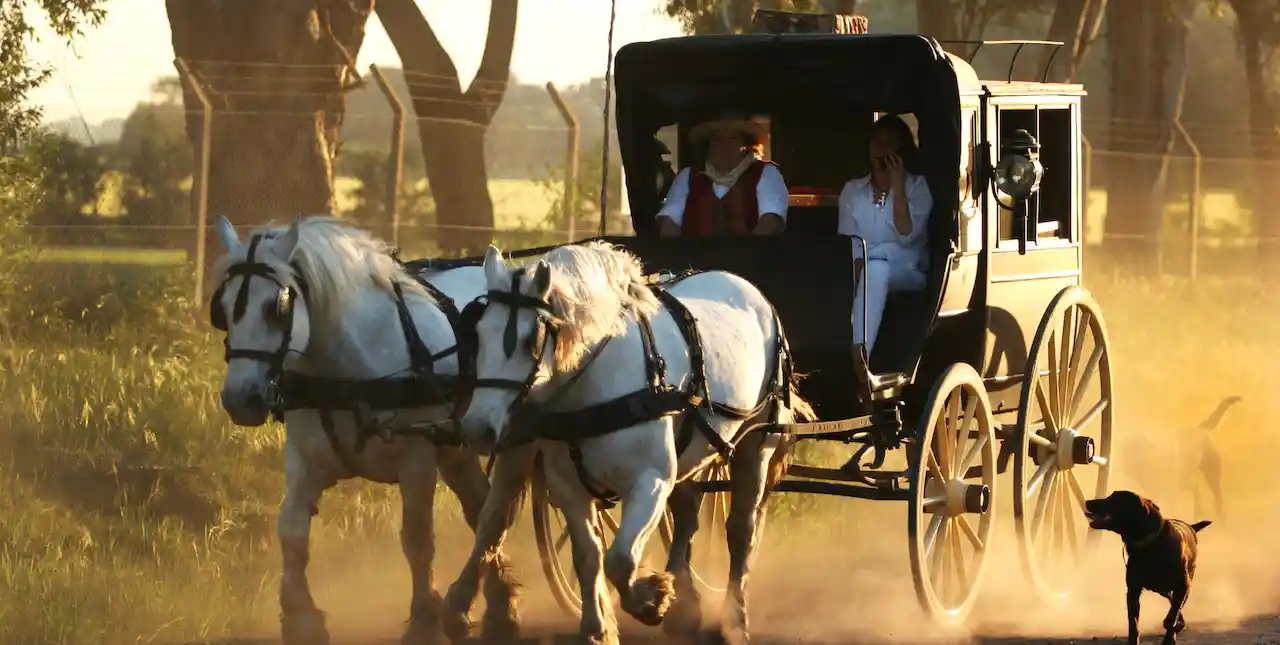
x=746 y=126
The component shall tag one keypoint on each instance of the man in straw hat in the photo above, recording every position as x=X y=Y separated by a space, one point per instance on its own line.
x=734 y=193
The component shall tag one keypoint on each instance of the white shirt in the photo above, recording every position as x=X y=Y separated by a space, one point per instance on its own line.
x=771 y=195
x=861 y=216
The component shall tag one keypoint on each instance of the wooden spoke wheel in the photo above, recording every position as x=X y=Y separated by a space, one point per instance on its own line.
x=709 y=553
x=1064 y=428
x=953 y=478
x=709 y=557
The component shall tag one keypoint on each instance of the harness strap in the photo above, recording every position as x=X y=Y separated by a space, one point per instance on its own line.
x=330 y=433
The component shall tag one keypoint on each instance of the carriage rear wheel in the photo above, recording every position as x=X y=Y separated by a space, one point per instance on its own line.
x=950 y=505
x=1064 y=431
x=709 y=555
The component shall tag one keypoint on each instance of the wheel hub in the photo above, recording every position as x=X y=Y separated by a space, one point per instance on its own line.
x=1073 y=449
x=964 y=498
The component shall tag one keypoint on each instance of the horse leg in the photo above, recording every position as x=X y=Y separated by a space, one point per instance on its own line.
x=301 y=622
x=462 y=474
x=598 y=625
x=417 y=539
x=647 y=598
x=750 y=476
x=685 y=617
x=510 y=474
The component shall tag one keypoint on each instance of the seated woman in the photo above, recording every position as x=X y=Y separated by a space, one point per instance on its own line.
x=736 y=192
x=889 y=208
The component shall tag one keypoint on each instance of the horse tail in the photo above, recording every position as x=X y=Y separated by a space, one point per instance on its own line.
x=1211 y=422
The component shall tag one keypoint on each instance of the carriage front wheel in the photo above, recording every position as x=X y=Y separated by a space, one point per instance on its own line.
x=1064 y=439
x=953 y=475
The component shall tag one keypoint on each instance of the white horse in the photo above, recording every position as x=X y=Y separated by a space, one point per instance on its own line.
x=323 y=298
x=566 y=335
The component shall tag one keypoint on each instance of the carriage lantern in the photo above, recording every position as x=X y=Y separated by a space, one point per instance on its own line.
x=1019 y=172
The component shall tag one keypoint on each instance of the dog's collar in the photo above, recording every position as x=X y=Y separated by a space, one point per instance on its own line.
x=1149 y=538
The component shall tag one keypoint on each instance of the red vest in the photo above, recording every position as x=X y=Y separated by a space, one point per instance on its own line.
x=734 y=214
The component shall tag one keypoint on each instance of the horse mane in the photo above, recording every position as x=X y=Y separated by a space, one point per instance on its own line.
x=336 y=260
x=593 y=287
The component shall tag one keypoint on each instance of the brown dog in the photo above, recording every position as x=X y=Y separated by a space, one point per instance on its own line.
x=1162 y=553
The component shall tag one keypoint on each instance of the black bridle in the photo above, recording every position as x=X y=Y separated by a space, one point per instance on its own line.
x=283 y=314
x=544 y=333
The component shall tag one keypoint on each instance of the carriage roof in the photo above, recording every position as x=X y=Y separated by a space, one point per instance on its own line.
x=673 y=78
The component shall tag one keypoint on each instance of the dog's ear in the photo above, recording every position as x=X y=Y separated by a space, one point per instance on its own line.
x=1152 y=511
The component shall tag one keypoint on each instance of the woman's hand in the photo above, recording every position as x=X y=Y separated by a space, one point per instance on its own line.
x=894 y=165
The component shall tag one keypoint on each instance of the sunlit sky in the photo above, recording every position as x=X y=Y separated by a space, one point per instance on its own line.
x=111 y=68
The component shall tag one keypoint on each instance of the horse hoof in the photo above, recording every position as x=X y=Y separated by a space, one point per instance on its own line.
x=456 y=625
x=652 y=597
x=423 y=632
x=304 y=628
x=500 y=626
x=684 y=619
x=724 y=636
x=607 y=638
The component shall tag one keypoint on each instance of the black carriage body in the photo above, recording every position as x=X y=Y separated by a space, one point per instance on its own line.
x=820 y=94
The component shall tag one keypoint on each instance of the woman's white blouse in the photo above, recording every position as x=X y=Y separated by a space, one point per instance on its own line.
x=861 y=216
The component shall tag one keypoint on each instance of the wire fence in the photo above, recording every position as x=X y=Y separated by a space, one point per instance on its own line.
x=1206 y=218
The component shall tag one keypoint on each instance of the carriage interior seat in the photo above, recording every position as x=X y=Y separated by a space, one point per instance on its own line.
x=817 y=157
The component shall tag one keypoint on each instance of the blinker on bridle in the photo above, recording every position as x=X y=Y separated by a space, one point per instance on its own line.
x=248 y=269
x=515 y=301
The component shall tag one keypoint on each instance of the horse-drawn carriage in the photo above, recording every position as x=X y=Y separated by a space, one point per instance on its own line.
x=1000 y=363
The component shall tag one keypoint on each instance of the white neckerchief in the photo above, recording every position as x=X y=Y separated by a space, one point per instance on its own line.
x=728 y=179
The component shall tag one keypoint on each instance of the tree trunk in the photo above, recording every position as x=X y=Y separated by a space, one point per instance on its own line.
x=1255 y=23
x=1138 y=45
x=848 y=7
x=276 y=73
x=1075 y=24
x=452 y=123
x=937 y=18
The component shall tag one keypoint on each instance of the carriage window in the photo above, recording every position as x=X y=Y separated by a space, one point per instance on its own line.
x=1053 y=204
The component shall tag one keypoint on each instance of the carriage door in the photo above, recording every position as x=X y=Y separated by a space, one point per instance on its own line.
x=1021 y=285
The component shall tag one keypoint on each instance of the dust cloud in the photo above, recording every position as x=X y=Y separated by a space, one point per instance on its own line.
x=835 y=570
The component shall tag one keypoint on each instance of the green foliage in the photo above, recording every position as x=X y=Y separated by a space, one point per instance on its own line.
x=369 y=167
x=586 y=198
x=70 y=172
x=18 y=76
x=156 y=158
x=726 y=16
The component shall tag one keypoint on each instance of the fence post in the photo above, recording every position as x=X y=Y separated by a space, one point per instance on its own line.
x=202 y=176
x=395 y=159
x=570 y=161
x=1193 y=208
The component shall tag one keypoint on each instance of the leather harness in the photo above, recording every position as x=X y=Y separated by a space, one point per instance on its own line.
x=532 y=421
x=289 y=390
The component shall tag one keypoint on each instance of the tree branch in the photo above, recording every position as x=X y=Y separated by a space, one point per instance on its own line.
x=405 y=23
x=490 y=83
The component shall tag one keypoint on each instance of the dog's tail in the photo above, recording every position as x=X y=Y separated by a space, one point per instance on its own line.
x=1199 y=526
x=1211 y=422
